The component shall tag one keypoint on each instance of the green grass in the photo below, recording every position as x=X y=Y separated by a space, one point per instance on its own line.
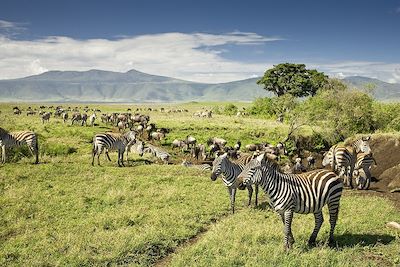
x=66 y=212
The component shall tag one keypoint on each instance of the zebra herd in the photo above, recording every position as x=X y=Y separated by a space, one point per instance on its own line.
x=302 y=193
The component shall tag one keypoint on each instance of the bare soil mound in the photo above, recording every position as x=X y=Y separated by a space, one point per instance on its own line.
x=386 y=151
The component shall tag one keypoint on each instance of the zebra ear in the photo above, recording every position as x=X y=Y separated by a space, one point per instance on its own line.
x=224 y=155
x=260 y=158
x=366 y=138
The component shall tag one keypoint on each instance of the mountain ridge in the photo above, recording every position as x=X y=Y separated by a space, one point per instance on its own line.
x=136 y=86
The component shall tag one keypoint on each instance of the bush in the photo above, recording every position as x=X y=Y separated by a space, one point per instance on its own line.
x=230 y=109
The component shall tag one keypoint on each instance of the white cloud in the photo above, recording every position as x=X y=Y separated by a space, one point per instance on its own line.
x=389 y=72
x=9 y=28
x=195 y=57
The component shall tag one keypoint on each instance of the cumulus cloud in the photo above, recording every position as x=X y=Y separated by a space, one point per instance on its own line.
x=389 y=72
x=195 y=57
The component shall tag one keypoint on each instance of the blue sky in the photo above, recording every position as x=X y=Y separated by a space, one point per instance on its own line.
x=206 y=41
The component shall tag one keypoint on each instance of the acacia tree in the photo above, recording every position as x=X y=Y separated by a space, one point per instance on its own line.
x=294 y=79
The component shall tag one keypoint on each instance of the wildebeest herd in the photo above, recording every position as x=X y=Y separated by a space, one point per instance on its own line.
x=291 y=189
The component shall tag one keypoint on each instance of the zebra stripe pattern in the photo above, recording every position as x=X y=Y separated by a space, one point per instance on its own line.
x=362 y=171
x=301 y=193
x=112 y=141
x=229 y=171
x=342 y=158
x=16 y=139
x=201 y=167
x=158 y=153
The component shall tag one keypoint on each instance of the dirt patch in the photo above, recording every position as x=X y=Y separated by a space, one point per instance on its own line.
x=386 y=151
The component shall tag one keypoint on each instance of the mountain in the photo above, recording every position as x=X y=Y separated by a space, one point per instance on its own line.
x=131 y=86
x=381 y=90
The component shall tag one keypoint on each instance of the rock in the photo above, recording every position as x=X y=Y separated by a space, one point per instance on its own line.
x=394 y=225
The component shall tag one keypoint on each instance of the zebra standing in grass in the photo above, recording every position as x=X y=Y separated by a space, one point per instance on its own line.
x=362 y=172
x=112 y=141
x=300 y=193
x=342 y=158
x=92 y=118
x=229 y=171
x=15 y=139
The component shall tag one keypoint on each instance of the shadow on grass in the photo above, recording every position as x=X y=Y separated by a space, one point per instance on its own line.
x=364 y=240
x=138 y=162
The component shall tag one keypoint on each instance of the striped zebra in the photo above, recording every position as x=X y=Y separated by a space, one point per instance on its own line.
x=300 y=193
x=342 y=158
x=158 y=153
x=229 y=171
x=201 y=167
x=15 y=139
x=362 y=171
x=112 y=141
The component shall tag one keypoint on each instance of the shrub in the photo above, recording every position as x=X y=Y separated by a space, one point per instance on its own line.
x=230 y=109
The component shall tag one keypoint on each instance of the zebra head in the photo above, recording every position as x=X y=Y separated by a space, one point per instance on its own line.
x=362 y=145
x=218 y=166
x=251 y=172
x=130 y=136
x=139 y=148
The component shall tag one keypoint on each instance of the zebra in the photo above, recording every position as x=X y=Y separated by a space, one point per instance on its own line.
x=46 y=117
x=300 y=193
x=65 y=116
x=201 y=167
x=12 y=139
x=92 y=118
x=342 y=158
x=158 y=153
x=112 y=141
x=362 y=171
x=229 y=171
x=84 y=119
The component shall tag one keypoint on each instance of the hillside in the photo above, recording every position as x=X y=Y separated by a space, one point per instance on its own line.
x=131 y=86
x=383 y=91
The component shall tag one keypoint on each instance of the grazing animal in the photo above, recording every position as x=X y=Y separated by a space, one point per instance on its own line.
x=298 y=166
x=310 y=162
x=178 y=143
x=362 y=170
x=342 y=158
x=199 y=151
x=158 y=136
x=84 y=119
x=16 y=139
x=190 y=141
x=76 y=116
x=229 y=171
x=65 y=117
x=216 y=140
x=158 y=153
x=92 y=119
x=112 y=141
x=46 y=117
x=300 y=193
x=201 y=167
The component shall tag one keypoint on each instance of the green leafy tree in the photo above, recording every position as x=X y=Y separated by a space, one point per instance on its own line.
x=293 y=79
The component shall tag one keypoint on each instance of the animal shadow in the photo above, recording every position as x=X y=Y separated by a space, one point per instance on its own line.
x=364 y=240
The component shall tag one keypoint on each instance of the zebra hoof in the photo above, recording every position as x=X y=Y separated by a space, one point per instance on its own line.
x=312 y=243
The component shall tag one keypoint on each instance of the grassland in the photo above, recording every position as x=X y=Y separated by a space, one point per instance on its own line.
x=66 y=212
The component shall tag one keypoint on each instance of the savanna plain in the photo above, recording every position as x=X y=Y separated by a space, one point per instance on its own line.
x=66 y=212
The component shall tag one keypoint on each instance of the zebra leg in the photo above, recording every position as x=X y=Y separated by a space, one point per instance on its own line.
x=350 y=175
x=36 y=149
x=319 y=219
x=333 y=207
x=94 y=151
x=287 y=217
x=108 y=156
x=232 y=194
x=3 y=154
x=250 y=192
x=256 y=200
x=122 y=157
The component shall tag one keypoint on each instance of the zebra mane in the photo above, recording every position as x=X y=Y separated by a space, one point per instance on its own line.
x=3 y=131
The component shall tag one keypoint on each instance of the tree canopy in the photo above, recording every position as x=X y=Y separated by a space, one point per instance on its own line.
x=294 y=79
